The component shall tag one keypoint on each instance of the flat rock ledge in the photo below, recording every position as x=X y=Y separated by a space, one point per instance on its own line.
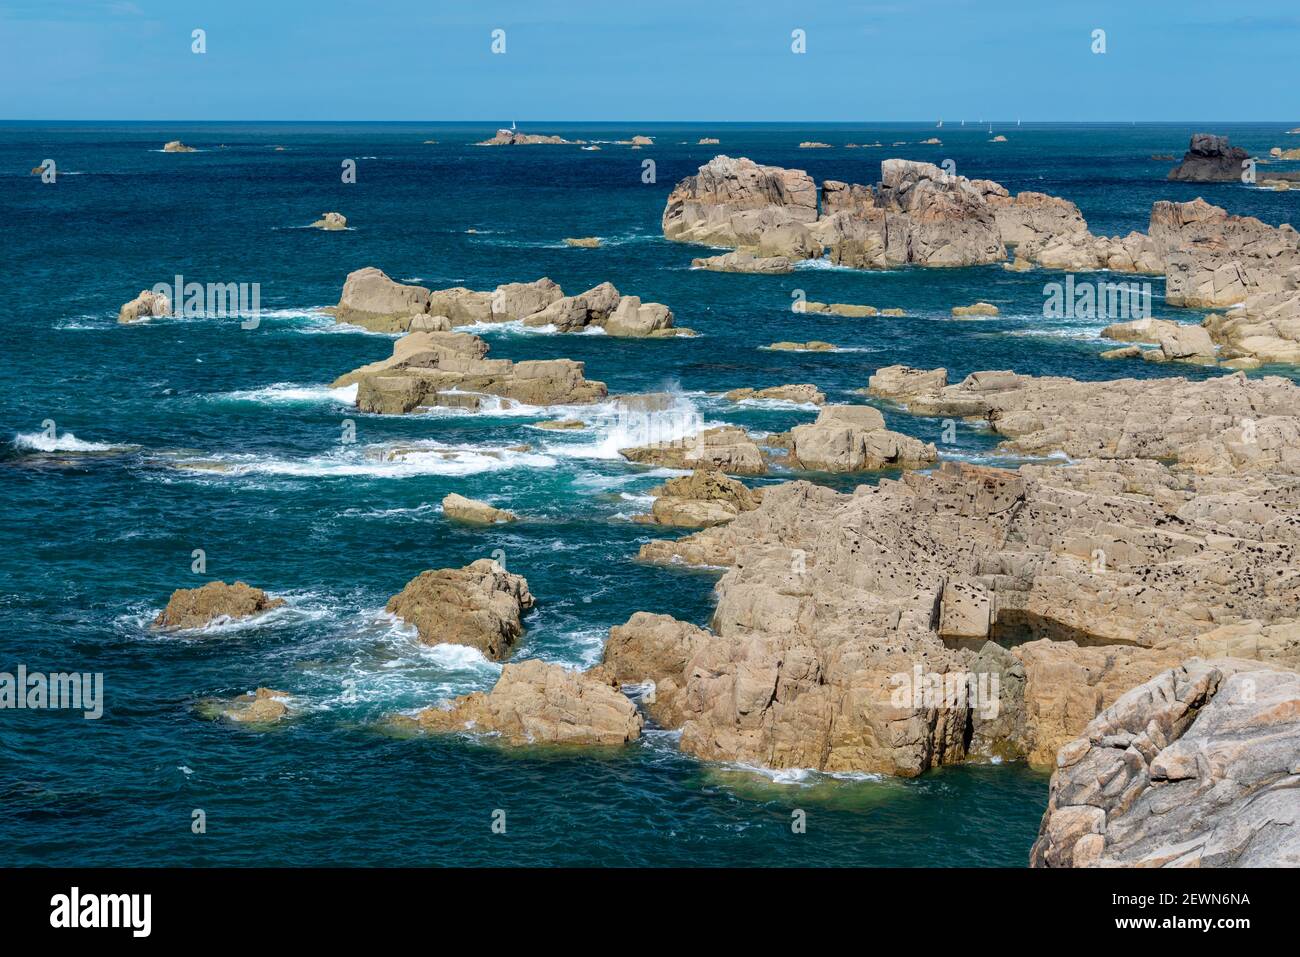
x=197 y=607
x=1198 y=767
x=263 y=706
x=480 y=605
x=535 y=703
x=473 y=512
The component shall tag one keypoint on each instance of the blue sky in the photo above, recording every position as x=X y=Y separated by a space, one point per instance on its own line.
x=649 y=60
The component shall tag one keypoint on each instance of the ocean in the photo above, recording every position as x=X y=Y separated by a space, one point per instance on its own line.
x=127 y=448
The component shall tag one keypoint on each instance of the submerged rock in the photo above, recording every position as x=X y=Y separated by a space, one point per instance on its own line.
x=197 y=607
x=479 y=605
x=263 y=706
x=538 y=703
x=812 y=345
x=1195 y=768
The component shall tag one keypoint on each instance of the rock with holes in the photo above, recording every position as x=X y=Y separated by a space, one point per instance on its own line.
x=1197 y=767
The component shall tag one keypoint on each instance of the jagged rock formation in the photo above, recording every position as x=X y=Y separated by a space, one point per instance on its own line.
x=1198 y=767
x=515 y=138
x=176 y=146
x=853 y=438
x=331 y=221
x=197 y=607
x=1209 y=159
x=449 y=369
x=700 y=500
x=1071 y=585
x=372 y=300
x=147 y=305
x=538 y=703
x=479 y=605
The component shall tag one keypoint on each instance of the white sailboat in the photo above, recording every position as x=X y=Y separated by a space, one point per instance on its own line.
x=939 y=125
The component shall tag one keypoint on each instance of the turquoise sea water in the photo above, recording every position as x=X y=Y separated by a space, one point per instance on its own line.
x=95 y=537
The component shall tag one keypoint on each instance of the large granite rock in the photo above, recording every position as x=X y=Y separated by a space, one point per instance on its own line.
x=1215 y=425
x=701 y=499
x=471 y=511
x=147 y=305
x=215 y=601
x=724 y=449
x=538 y=703
x=1198 y=767
x=853 y=438
x=479 y=605
x=1070 y=584
x=1209 y=159
x=449 y=369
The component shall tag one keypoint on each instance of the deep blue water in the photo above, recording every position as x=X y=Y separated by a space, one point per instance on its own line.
x=92 y=542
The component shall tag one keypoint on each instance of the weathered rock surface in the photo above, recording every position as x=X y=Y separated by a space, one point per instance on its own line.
x=1071 y=584
x=802 y=393
x=890 y=382
x=724 y=449
x=515 y=138
x=700 y=500
x=449 y=369
x=176 y=146
x=853 y=438
x=215 y=601
x=147 y=305
x=538 y=703
x=479 y=605
x=812 y=345
x=1209 y=159
x=744 y=260
x=976 y=309
x=263 y=706
x=584 y=242
x=331 y=221
x=473 y=512
x=1198 y=767
x=1214 y=425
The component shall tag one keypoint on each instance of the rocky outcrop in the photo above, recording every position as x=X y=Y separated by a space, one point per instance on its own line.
x=515 y=138
x=853 y=438
x=538 y=703
x=1209 y=159
x=214 y=602
x=448 y=369
x=892 y=382
x=1265 y=328
x=176 y=146
x=654 y=651
x=743 y=260
x=1071 y=585
x=584 y=242
x=1226 y=424
x=331 y=221
x=723 y=449
x=700 y=500
x=976 y=309
x=473 y=512
x=846 y=309
x=1198 y=767
x=479 y=605
x=263 y=706
x=812 y=345
x=147 y=305
x=736 y=202
x=800 y=394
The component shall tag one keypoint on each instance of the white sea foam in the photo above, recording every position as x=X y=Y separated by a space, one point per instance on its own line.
x=284 y=393
x=67 y=442
x=621 y=425
x=425 y=457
